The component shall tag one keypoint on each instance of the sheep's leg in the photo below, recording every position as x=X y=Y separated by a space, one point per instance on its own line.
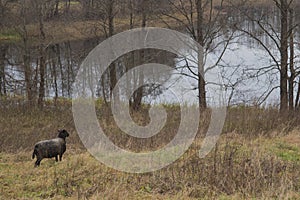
x=60 y=157
x=56 y=158
x=38 y=162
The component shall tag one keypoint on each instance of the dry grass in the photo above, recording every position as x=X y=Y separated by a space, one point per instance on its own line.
x=59 y=31
x=256 y=158
x=238 y=169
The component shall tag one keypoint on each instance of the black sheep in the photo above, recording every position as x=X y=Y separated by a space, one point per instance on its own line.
x=50 y=148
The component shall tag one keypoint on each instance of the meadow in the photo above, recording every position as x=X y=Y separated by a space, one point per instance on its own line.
x=256 y=157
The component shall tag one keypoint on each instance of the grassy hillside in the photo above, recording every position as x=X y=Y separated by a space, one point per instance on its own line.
x=258 y=156
x=259 y=168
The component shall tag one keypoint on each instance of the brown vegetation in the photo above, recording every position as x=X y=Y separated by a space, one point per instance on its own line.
x=257 y=156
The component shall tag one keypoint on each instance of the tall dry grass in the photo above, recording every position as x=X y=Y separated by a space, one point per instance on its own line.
x=250 y=160
x=22 y=125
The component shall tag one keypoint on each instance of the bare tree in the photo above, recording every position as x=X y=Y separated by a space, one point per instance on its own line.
x=204 y=23
x=105 y=12
x=110 y=8
x=283 y=6
x=28 y=72
x=282 y=39
x=40 y=8
x=138 y=94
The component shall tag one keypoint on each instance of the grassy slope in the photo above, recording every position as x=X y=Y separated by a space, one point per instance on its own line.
x=242 y=167
x=80 y=175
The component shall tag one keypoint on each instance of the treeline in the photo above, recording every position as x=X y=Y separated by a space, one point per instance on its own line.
x=41 y=66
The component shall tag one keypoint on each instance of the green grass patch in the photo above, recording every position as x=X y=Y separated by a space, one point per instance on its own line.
x=9 y=35
x=286 y=152
x=62 y=5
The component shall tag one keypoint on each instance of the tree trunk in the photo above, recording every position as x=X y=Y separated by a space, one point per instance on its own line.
x=56 y=7
x=61 y=70
x=297 y=101
x=28 y=74
x=130 y=61
x=284 y=56
x=42 y=76
x=42 y=56
x=3 y=50
x=69 y=69
x=138 y=94
x=26 y=59
x=131 y=14
x=200 y=40
x=292 y=68
x=112 y=71
x=54 y=74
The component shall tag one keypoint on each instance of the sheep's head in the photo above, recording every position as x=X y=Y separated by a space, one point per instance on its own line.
x=63 y=134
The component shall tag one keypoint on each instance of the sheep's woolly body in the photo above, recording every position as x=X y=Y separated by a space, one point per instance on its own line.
x=50 y=148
